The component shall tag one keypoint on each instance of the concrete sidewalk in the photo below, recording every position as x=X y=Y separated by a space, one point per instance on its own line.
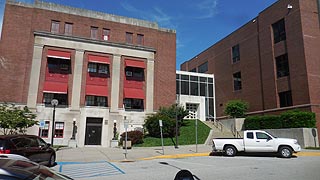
x=91 y=154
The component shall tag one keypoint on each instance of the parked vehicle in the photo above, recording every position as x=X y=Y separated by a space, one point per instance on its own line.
x=30 y=146
x=13 y=156
x=27 y=170
x=257 y=141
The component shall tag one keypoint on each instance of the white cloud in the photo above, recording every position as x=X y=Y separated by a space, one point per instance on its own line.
x=207 y=9
x=153 y=14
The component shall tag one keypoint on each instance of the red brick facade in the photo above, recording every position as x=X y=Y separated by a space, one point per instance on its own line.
x=260 y=84
x=17 y=42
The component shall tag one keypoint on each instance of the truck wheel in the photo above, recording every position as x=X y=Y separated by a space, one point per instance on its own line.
x=230 y=151
x=285 y=152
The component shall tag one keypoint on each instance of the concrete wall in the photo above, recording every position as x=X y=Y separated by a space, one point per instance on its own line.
x=303 y=135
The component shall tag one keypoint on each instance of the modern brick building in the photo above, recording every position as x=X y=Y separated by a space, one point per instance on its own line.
x=103 y=69
x=272 y=62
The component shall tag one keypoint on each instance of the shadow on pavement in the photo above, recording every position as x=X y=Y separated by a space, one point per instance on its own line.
x=250 y=154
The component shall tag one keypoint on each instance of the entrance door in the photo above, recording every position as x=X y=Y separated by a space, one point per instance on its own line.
x=93 y=131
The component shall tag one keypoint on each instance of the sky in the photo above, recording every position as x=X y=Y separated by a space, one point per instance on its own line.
x=199 y=24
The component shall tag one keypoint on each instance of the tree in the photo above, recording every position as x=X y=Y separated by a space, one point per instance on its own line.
x=15 y=120
x=153 y=128
x=174 y=112
x=236 y=108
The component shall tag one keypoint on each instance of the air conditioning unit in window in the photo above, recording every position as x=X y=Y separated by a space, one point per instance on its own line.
x=106 y=38
x=128 y=73
x=103 y=71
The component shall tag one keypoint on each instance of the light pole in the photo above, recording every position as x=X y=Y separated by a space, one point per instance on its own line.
x=54 y=103
x=177 y=103
x=126 y=122
x=74 y=129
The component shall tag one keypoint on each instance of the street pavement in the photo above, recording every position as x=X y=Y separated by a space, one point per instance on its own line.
x=97 y=162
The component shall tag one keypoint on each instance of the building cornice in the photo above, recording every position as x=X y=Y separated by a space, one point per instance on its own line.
x=92 y=41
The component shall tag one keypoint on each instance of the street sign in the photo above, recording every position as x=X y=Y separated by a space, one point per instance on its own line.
x=160 y=123
x=42 y=124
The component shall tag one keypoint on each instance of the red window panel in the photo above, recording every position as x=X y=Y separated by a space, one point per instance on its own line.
x=134 y=63
x=132 y=93
x=95 y=90
x=55 y=87
x=58 y=54
x=99 y=59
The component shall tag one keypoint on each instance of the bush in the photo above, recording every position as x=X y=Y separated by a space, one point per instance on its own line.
x=236 y=108
x=289 y=119
x=298 y=119
x=153 y=128
x=136 y=137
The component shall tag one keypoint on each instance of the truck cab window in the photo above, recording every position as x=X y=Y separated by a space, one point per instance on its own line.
x=262 y=136
x=250 y=135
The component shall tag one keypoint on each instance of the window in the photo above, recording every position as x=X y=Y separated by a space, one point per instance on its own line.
x=44 y=132
x=129 y=38
x=133 y=73
x=203 y=68
x=262 y=136
x=237 y=81
x=99 y=70
x=285 y=99
x=193 y=70
x=235 y=53
x=58 y=131
x=59 y=66
x=106 y=34
x=97 y=101
x=68 y=28
x=185 y=87
x=279 y=31
x=282 y=65
x=192 y=110
x=133 y=104
x=250 y=135
x=140 y=39
x=55 y=26
x=62 y=98
x=94 y=33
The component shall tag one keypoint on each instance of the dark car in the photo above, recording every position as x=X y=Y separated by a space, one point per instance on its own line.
x=13 y=169
x=30 y=146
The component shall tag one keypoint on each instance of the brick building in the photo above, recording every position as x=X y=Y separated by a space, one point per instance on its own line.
x=272 y=62
x=103 y=69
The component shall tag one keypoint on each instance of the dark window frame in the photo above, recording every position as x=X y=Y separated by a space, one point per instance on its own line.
x=279 y=31
x=237 y=81
x=94 y=32
x=203 y=67
x=134 y=73
x=129 y=37
x=59 y=66
x=282 y=66
x=55 y=26
x=68 y=28
x=131 y=104
x=285 y=99
x=236 y=53
x=140 y=39
x=97 y=71
x=58 y=133
x=96 y=101
x=62 y=99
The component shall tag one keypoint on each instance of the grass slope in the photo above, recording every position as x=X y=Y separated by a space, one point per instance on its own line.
x=187 y=135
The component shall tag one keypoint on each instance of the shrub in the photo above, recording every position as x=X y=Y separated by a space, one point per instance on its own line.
x=136 y=137
x=298 y=119
x=152 y=126
x=236 y=108
x=289 y=119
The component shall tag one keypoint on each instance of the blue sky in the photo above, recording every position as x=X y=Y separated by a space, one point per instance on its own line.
x=199 y=24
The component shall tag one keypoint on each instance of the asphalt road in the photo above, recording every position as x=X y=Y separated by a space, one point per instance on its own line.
x=205 y=168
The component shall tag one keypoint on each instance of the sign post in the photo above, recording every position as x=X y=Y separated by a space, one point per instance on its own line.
x=160 y=124
x=196 y=135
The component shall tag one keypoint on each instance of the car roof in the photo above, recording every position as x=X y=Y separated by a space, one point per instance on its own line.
x=15 y=136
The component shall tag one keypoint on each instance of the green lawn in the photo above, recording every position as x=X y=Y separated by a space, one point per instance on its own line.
x=187 y=136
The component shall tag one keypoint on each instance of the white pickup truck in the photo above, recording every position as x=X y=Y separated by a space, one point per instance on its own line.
x=257 y=141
